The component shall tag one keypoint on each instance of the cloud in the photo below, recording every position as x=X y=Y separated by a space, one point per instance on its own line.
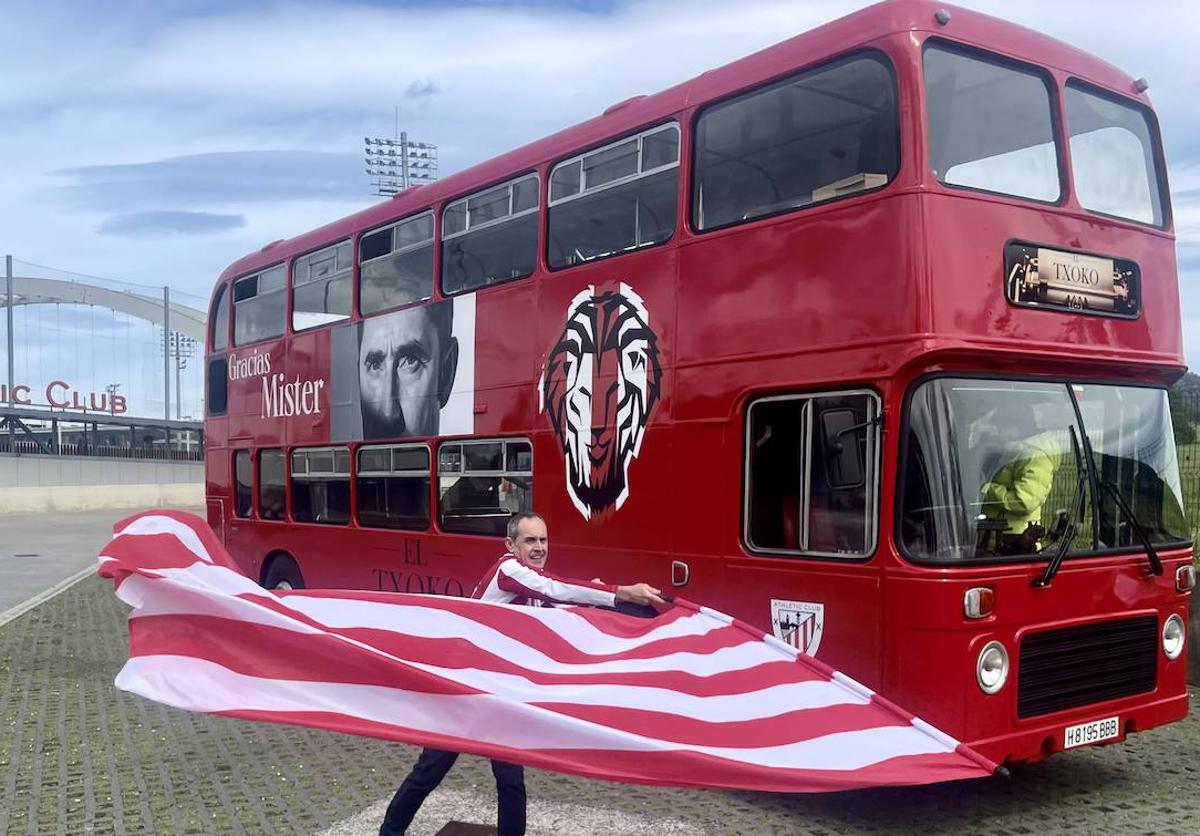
x=420 y=89
x=202 y=180
x=168 y=222
x=182 y=106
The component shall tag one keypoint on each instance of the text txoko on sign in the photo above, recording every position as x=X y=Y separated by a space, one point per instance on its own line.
x=1092 y=732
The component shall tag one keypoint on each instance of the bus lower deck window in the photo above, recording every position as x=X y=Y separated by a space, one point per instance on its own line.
x=321 y=485
x=482 y=483
x=244 y=474
x=392 y=485
x=272 y=485
x=811 y=478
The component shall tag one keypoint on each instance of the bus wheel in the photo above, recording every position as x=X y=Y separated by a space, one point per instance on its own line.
x=283 y=573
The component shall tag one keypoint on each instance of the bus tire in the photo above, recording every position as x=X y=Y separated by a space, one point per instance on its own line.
x=282 y=573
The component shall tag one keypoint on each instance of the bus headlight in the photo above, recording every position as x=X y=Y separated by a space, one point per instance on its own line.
x=1172 y=637
x=991 y=671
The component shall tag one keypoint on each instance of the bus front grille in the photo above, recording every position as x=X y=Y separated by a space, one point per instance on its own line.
x=1075 y=666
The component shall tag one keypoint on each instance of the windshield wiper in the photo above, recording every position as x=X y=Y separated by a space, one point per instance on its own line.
x=1068 y=531
x=1156 y=567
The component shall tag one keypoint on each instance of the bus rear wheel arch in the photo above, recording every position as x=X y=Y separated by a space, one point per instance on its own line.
x=280 y=571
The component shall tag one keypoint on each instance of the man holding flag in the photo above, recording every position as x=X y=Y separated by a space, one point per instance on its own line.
x=692 y=698
x=518 y=577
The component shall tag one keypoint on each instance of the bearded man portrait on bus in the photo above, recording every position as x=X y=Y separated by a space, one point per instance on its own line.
x=518 y=577
x=406 y=366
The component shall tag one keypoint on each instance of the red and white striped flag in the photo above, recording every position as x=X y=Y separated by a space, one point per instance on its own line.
x=690 y=698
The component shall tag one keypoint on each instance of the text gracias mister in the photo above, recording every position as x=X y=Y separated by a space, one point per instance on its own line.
x=281 y=398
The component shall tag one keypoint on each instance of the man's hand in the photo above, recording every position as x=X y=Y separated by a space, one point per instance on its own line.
x=639 y=593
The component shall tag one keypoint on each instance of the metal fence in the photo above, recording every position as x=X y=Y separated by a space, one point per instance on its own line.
x=1185 y=415
x=31 y=448
x=25 y=432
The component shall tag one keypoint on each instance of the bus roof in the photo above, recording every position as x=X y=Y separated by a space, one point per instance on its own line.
x=842 y=35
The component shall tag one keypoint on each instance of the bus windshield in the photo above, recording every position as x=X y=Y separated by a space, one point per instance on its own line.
x=1009 y=468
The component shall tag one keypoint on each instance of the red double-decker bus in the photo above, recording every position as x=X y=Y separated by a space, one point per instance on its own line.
x=863 y=339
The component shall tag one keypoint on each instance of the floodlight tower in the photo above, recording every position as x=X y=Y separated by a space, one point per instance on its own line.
x=396 y=164
x=181 y=347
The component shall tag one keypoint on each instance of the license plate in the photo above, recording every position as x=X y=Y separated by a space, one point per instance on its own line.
x=1092 y=732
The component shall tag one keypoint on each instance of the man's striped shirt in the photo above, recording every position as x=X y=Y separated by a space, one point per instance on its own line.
x=510 y=581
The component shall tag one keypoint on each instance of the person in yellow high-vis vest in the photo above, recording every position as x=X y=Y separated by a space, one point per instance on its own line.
x=1018 y=490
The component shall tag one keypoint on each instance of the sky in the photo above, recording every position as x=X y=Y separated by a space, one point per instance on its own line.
x=155 y=141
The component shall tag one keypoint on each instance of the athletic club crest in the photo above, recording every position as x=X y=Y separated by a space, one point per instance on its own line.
x=798 y=623
x=599 y=385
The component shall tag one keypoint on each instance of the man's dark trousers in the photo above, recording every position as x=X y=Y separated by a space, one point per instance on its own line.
x=429 y=771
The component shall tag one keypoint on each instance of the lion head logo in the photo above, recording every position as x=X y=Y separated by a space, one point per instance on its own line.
x=600 y=383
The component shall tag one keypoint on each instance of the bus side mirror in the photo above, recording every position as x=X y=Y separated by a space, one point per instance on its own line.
x=843 y=463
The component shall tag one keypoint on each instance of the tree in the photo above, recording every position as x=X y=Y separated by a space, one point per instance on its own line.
x=1184 y=398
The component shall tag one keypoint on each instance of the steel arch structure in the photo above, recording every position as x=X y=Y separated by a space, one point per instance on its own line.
x=30 y=290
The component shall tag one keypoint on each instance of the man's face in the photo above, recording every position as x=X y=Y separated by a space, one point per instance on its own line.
x=530 y=546
x=399 y=365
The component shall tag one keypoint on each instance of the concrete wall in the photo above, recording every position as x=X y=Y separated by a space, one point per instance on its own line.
x=80 y=483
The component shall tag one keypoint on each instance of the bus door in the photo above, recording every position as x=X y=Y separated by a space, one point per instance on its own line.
x=810 y=526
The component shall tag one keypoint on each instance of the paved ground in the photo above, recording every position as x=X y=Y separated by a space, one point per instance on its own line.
x=76 y=756
x=79 y=757
x=38 y=551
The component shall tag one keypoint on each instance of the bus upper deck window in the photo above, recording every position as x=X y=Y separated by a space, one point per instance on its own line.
x=826 y=133
x=396 y=264
x=615 y=199
x=220 y=319
x=1113 y=156
x=990 y=126
x=259 y=306
x=490 y=236
x=321 y=284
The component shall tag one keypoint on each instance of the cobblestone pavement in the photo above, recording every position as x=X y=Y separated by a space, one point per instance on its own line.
x=77 y=756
